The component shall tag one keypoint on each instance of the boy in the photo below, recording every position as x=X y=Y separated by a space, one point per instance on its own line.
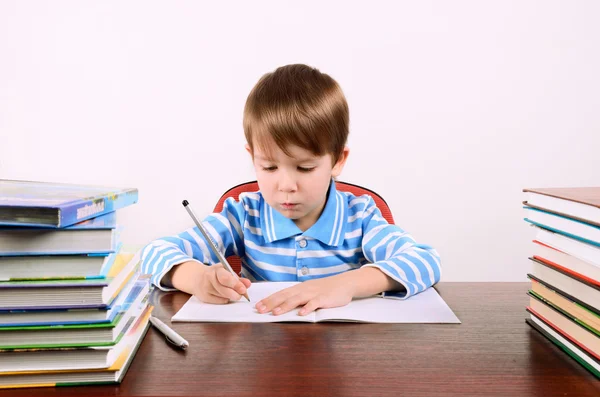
x=297 y=226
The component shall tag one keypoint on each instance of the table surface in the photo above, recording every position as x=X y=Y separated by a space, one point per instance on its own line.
x=493 y=352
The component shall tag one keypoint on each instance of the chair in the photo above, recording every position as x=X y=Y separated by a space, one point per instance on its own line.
x=252 y=186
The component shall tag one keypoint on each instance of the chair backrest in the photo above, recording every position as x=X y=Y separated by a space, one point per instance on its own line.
x=252 y=186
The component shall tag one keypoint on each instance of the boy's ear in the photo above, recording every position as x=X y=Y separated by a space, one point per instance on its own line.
x=249 y=150
x=339 y=166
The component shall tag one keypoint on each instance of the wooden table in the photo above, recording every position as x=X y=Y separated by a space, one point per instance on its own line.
x=493 y=352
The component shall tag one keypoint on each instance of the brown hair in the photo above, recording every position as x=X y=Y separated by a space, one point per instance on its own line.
x=297 y=105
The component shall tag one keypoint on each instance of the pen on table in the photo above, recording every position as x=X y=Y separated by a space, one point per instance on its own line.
x=211 y=243
x=172 y=336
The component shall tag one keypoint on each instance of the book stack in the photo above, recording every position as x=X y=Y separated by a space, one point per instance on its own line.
x=565 y=278
x=73 y=306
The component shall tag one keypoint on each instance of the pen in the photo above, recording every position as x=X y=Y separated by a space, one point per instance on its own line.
x=172 y=336
x=211 y=243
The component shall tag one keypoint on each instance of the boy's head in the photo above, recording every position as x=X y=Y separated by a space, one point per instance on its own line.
x=297 y=105
x=296 y=123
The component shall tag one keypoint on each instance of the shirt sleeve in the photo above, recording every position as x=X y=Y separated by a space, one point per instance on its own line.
x=225 y=229
x=394 y=252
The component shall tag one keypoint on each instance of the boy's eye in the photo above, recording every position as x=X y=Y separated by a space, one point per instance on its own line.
x=305 y=169
x=271 y=168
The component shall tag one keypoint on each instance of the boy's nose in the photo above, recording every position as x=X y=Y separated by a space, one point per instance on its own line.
x=287 y=183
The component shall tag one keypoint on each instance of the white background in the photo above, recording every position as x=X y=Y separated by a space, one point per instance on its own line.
x=456 y=106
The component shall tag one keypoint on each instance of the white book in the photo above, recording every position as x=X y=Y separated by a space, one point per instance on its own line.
x=565 y=206
x=570 y=262
x=425 y=307
x=572 y=227
x=586 y=252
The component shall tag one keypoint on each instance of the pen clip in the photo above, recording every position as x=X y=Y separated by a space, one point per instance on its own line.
x=179 y=345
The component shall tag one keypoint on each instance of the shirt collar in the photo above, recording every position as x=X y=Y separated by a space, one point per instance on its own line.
x=330 y=228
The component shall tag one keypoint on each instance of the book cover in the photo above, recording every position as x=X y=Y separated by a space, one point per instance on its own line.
x=57 y=205
x=582 y=195
x=101 y=222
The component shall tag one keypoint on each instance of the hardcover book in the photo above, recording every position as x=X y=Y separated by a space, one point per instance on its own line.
x=72 y=335
x=67 y=358
x=113 y=374
x=69 y=294
x=581 y=203
x=57 y=205
x=139 y=284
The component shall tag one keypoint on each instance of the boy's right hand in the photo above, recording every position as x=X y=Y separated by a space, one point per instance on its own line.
x=210 y=284
x=219 y=286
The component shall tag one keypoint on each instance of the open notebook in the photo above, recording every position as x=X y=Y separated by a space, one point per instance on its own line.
x=426 y=307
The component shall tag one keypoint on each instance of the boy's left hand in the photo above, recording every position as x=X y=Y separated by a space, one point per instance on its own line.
x=312 y=294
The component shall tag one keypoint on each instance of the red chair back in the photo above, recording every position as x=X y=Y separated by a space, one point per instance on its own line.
x=235 y=192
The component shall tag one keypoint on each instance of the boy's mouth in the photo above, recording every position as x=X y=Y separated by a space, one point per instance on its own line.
x=288 y=206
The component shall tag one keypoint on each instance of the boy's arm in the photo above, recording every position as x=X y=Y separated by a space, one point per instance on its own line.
x=395 y=253
x=160 y=256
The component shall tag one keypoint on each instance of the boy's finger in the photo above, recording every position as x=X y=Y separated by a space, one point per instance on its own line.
x=289 y=304
x=225 y=278
x=217 y=300
x=247 y=283
x=240 y=288
x=310 y=307
x=272 y=301
x=228 y=293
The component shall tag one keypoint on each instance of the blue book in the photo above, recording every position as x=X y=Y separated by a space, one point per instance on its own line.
x=57 y=205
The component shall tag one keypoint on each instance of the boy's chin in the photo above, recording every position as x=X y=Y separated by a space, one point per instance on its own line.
x=293 y=215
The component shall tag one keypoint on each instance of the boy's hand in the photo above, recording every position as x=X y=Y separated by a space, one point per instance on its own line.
x=312 y=295
x=210 y=284
x=219 y=286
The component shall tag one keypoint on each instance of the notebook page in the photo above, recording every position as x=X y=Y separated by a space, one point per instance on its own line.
x=240 y=311
x=426 y=307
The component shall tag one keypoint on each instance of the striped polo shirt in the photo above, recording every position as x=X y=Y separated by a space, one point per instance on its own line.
x=349 y=234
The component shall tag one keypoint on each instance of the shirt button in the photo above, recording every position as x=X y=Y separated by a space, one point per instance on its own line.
x=302 y=243
x=304 y=271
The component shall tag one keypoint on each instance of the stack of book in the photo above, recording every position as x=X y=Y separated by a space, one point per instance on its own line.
x=565 y=278
x=73 y=306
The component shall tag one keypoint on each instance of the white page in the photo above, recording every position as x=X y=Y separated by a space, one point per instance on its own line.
x=240 y=311
x=426 y=307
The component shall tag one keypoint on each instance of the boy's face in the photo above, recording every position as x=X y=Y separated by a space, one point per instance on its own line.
x=296 y=186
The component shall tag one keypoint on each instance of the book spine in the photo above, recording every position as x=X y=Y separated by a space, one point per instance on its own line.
x=81 y=210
